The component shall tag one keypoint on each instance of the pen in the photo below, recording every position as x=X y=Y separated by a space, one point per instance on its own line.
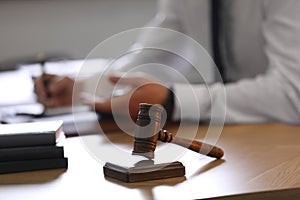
x=42 y=61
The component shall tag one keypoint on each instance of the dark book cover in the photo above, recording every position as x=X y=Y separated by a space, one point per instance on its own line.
x=30 y=134
x=31 y=153
x=32 y=165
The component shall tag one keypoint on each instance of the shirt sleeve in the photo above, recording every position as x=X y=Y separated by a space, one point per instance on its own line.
x=167 y=17
x=270 y=97
x=149 y=61
x=153 y=52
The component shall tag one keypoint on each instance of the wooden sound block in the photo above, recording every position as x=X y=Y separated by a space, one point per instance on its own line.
x=145 y=172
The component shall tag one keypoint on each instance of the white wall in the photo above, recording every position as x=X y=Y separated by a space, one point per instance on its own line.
x=72 y=27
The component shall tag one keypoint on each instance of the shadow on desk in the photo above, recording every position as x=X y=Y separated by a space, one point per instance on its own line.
x=208 y=166
x=146 y=187
x=43 y=176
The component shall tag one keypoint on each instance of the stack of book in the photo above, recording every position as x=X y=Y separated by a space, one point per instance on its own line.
x=31 y=146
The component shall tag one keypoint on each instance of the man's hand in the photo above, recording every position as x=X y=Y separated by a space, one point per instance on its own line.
x=58 y=91
x=145 y=91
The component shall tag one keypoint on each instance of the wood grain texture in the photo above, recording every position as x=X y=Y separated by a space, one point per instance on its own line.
x=260 y=162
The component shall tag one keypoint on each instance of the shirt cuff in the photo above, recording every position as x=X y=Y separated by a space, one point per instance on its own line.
x=191 y=102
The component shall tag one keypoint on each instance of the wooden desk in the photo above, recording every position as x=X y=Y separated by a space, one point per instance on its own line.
x=261 y=162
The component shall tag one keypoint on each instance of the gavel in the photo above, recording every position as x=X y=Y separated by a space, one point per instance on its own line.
x=148 y=131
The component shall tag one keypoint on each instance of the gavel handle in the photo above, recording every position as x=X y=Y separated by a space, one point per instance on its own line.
x=194 y=145
x=199 y=147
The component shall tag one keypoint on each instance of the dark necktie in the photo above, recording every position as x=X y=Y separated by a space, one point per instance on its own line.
x=215 y=28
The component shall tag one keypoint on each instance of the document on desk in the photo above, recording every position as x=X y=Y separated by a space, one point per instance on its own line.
x=16 y=87
x=18 y=104
x=78 y=119
x=75 y=123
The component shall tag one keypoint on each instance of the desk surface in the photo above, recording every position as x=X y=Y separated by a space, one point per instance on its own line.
x=258 y=158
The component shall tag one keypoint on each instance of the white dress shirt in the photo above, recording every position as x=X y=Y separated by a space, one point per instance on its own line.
x=261 y=55
x=264 y=66
x=262 y=59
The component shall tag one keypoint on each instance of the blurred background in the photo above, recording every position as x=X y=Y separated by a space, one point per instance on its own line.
x=64 y=28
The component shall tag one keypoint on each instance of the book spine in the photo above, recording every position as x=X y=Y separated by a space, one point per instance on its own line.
x=32 y=165
x=31 y=153
x=25 y=140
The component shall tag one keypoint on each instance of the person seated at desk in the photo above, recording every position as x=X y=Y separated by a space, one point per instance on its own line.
x=258 y=48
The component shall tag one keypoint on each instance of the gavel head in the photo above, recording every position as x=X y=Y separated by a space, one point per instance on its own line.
x=147 y=130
